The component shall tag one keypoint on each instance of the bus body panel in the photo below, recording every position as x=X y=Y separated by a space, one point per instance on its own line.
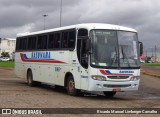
x=75 y=69
x=84 y=78
x=45 y=71
x=51 y=73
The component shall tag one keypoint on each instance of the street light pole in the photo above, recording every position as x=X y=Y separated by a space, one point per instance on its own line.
x=44 y=20
x=60 y=14
x=155 y=53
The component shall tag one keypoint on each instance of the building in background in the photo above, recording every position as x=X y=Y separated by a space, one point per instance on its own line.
x=8 y=45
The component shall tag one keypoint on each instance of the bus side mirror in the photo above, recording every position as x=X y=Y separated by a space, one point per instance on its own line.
x=88 y=45
x=140 y=48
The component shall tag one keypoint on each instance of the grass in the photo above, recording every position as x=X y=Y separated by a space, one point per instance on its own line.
x=8 y=64
x=152 y=64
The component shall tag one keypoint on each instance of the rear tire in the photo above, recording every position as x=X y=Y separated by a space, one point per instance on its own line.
x=71 y=87
x=109 y=94
x=30 y=81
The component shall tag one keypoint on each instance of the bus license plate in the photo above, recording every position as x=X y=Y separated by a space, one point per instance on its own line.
x=117 y=90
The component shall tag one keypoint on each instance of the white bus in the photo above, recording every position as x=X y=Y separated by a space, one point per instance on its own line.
x=83 y=57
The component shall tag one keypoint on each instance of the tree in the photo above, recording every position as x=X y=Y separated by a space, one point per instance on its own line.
x=5 y=54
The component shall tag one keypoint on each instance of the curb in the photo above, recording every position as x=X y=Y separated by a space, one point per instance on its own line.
x=150 y=74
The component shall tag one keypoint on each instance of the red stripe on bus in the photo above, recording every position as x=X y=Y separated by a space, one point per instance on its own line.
x=42 y=61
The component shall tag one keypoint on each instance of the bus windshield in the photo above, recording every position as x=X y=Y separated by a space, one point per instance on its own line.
x=114 y=49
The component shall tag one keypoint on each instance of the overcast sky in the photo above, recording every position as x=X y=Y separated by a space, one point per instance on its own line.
x=26 y=16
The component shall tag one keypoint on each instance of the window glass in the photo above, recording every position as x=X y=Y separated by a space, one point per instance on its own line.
x=65 y=40
x=17 y=44
x=31 y=43
x=24 y=43
x=57 y=42
x=54 y=40
x=42 y=42
x=51 y=41
x=81 y=53
x=82 y=32
x=71 y=39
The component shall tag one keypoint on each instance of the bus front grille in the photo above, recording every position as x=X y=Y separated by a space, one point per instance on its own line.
x=118 y=77
x=114 y=86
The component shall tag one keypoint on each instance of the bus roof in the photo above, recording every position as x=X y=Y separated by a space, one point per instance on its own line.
x=88 y=26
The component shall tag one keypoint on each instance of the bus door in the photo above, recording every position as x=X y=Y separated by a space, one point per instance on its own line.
x=83 y=57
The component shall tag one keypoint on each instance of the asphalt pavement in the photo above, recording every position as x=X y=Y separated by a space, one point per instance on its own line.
x=151 y=71
x=15 y=93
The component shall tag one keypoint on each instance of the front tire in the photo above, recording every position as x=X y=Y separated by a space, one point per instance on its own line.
x=71 y=87
x=109 y=94
x=30 y=81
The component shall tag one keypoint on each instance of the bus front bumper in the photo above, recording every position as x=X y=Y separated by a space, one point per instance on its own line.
x=113 y=85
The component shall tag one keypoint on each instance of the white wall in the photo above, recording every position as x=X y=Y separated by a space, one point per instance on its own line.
x=7 y=45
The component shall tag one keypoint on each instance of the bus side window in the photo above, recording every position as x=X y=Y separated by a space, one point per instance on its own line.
x=57 y=42
x=20 y=44
x=65 y=40
x=39 y=42
x=32 y=43
x=82 y=32
x=42 y=42
x=24 y=43
x=71 y=39
x=17 y=44
x=51 y=41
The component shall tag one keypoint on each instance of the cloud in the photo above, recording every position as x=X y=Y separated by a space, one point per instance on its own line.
x=26 y=15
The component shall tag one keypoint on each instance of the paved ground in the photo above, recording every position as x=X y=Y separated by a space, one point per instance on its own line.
x=155 y=70
x=14 y=93
x=151 y=71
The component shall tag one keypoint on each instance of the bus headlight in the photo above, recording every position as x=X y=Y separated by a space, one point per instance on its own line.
x=98 y=77
x=134 y=78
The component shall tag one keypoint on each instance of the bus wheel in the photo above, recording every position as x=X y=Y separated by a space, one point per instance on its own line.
x=30 y=81
x=71 y=87
x=109 y=94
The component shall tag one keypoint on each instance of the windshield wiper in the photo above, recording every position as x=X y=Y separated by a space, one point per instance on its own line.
x=125 y=57
x=114 y=58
